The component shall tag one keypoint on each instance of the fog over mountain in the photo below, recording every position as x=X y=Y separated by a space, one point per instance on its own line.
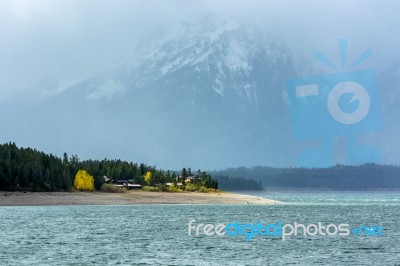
x=202 y=85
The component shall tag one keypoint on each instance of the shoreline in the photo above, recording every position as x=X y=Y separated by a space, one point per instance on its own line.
x=129 y=198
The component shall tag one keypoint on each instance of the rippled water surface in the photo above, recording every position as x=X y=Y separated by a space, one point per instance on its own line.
x=158 y=234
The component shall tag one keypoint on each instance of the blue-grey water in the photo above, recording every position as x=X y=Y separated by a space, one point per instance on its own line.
x=158 y=234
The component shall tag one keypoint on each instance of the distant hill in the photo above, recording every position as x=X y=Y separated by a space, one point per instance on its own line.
x=339 y=177
x=238 y=184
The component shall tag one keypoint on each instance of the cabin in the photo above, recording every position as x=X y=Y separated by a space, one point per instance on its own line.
x=121 y=182
x=134 y=186
x=192 y=179
x=126 y=183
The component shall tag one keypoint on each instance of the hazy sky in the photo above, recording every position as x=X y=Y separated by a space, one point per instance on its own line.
x=43 y=37
x=60 y=39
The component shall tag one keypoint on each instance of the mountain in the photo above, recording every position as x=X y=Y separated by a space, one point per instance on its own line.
x=388 y=139
x=209 y=94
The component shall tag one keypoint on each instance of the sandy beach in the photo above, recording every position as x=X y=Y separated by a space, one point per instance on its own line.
x=131 y=197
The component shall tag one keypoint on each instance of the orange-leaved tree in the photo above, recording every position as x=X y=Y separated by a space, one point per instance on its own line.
x=83 y=180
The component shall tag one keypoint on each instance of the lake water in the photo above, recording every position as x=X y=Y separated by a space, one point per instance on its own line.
x=158 y=234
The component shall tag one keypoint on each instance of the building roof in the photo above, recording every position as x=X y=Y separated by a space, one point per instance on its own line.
x=134 y=185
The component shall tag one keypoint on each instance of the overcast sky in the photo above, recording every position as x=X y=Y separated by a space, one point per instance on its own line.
x=58 y=40
x=42 y=37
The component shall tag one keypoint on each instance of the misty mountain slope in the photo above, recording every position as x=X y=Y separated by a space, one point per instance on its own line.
x=211 y=93
x=388 y=138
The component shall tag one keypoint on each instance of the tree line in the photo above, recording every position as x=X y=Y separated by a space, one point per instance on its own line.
x=33 y=170
x=238 y=184
x=339 y=177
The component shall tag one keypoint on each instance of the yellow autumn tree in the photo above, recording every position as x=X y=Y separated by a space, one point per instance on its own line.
x=83 y=181
x=147 y=177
